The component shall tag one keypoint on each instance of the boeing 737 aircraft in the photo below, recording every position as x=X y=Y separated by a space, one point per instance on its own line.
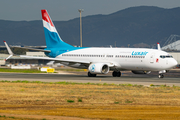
x=102 y=60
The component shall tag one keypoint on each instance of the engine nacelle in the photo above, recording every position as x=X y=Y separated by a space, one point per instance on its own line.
x=140 y=72
x=98 y=68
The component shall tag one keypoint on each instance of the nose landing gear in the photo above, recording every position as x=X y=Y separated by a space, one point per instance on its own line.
x=161 y=76
x=161 y=73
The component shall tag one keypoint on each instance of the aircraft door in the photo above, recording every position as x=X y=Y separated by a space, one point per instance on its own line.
x=152 y=58
x=104 y=56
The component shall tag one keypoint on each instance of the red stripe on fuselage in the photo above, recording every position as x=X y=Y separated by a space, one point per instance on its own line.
x=46 y=17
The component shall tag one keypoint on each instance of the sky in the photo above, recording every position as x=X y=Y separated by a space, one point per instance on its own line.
x=63 y=10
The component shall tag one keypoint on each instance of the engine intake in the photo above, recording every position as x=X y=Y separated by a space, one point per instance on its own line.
x=98 y=68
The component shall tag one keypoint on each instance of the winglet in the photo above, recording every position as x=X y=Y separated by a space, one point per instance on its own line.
x=158 y=46
x=9 y=51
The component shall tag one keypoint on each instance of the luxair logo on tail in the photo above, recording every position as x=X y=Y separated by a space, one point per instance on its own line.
x=53 y=40
x=47 y=23
x=139 y=53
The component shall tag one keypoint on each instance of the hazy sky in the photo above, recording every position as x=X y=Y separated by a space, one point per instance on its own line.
x=68 y=9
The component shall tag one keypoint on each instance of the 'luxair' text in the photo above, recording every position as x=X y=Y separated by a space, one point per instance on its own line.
x=139 y=53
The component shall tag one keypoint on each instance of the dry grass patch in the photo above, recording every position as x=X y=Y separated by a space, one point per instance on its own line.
x=90 y=101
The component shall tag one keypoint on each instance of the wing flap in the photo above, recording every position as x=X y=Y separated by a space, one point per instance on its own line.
x=55 y=59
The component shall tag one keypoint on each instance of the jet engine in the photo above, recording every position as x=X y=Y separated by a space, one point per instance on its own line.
x=98 y=68
x=140 y=72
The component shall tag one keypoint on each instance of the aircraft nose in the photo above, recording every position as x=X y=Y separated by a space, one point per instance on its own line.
x=174 y=63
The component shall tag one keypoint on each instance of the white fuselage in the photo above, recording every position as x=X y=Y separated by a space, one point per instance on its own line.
x=123 y=58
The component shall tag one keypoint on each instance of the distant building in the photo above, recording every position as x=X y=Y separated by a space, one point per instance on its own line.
x=15 y=60
x=175 y=46
x=36 y=54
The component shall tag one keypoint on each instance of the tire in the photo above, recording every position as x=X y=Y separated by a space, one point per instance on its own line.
x=94 y=75
x=119 y=74
x=116 y=74
x=91 y=75
x=161 y=76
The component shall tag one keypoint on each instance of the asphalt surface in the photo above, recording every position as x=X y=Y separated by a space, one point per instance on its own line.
x=171 y=78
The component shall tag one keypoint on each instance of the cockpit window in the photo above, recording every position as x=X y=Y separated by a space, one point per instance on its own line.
x=166 y=56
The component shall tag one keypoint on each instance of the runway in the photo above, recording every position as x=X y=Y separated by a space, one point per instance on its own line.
x=172 y=78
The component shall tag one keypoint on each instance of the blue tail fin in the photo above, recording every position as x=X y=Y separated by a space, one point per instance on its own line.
x=53 y=40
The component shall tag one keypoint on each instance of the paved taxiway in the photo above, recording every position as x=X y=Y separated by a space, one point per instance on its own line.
x=172 y=78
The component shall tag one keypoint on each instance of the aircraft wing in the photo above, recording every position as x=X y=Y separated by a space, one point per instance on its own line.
x=55 y=59
x=40 y=50
x=66 y=60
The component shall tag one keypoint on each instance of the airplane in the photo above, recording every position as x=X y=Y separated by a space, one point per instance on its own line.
x=100 y=60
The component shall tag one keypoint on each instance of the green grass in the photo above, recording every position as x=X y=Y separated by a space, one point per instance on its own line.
x=17 y=118
x=2 y=116
x=128 y=101
x=79 y=99
x=36 y=71
x=116 y=102
x=70 y=101
x=20 y=70
x=72 y=83
x=101 y=84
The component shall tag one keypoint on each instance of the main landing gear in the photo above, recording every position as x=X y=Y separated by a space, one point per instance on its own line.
x=91 y=75
x=116 y=74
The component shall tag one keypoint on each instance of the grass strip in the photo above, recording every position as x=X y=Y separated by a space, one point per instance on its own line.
x=76 y=83
x=4 y=117
x=101 y=101
x=20 y=70
x=71 y=83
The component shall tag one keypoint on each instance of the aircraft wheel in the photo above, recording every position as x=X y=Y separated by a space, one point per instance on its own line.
x=119 y=74
x=94 y=75
x=91 y=75
x=161 y=76
x=116 y=74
